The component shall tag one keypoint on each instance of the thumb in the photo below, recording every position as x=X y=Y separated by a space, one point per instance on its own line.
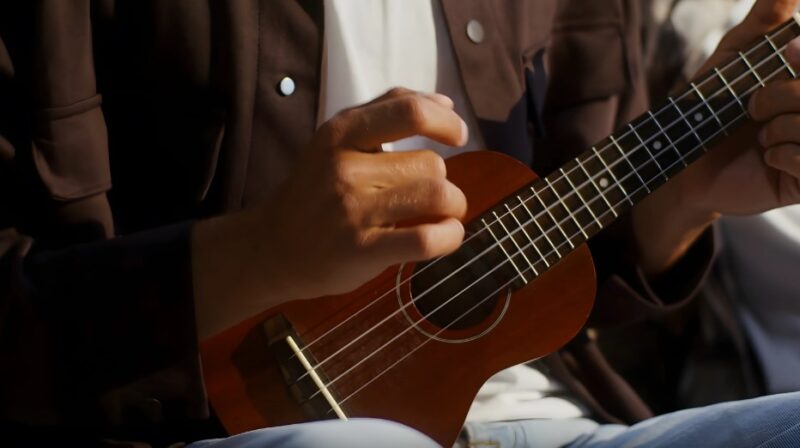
x=763 y=17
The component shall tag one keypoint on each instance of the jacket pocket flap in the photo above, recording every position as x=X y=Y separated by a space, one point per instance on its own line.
x=70 y=150
x=586 y=63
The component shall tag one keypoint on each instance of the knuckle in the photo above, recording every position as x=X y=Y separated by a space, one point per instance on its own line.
x=359 y=239
x=350 y=207
x=425 y=241
x=342 y=171
x=332 y=132
x=413 y=111
x=438 y=194
x=395 y=92
x=768 y=132
x=434 y=162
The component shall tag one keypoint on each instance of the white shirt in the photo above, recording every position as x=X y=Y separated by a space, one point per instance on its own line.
x=763 y=251
x=374 y=45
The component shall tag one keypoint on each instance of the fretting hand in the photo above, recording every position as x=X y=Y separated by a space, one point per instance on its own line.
x=756 y=169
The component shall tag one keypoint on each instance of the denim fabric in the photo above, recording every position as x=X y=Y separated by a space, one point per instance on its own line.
x=766 y=422
x=356 y=433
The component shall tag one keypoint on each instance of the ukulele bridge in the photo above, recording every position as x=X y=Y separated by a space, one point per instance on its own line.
x=305 y=382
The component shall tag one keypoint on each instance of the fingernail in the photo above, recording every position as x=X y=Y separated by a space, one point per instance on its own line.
x=464 y=133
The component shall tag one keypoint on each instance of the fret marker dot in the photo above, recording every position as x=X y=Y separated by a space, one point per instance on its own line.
x=698 y=117
x=603 y=182
x=656 y=145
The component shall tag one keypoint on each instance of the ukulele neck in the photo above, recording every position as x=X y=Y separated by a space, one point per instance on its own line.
x=545 y=221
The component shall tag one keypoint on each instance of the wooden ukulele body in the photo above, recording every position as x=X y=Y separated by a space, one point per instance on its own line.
x=404 y=370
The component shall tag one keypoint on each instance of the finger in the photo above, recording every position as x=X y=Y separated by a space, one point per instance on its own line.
x=422 y=200
x=763 y=17
x=389 y=169
x=792 y=53
x=393 y=119
x=781 y=129
x=785 y=158
x=397 y=92
x=422 y=242
x=777 y=98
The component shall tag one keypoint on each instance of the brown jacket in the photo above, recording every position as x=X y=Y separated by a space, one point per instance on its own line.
x=96 y=313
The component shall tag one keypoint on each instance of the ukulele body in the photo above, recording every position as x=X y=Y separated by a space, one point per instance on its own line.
x=406 y=369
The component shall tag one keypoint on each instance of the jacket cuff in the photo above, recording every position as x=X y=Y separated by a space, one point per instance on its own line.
x=628 y=295
x=119 y=323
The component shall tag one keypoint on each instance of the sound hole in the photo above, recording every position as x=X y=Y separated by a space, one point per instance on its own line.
x=458 y=292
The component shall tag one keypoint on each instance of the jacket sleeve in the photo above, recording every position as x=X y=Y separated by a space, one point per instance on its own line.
x=83 y=314
x=81 y=321
x=584 y=106
x=624 y=292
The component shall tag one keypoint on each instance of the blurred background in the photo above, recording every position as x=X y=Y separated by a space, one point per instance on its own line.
x=741 y=339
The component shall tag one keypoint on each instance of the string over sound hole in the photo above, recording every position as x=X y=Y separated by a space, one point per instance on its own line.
x=461 y=290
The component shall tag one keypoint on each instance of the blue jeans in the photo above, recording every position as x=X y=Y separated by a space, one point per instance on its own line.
x=767 y=422
x=355 y=433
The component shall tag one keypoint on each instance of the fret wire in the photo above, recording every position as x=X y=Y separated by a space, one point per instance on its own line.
x=599 y=191
x=699 y=145
x=688 y=123
x=669 y=139
x=491 y=232
x=625 y=156
x=710 y=109
x=650 y=154
x=580 y=196
x=700 y=140
x=730 y=89
x=555 y=221
x=502 y=287
x=752 y=70
x=569 y=212
x=783 y=60
x=533 y=218
x=491 y=295
x=525 y=232
x=515 y=242
x=600 y=158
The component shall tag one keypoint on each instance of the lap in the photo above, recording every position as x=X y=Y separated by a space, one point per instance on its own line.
x=766 y=422
x=354 y=433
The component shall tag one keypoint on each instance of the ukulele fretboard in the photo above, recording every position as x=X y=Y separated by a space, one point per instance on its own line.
x=543 y=222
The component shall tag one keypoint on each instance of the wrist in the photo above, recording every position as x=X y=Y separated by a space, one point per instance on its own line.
x=665 y=225
x=231 y=276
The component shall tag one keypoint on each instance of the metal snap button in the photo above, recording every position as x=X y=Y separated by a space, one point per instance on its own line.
x=475 y=31
x=286 y=86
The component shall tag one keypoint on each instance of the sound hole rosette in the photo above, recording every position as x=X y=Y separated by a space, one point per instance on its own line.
x=420 y=322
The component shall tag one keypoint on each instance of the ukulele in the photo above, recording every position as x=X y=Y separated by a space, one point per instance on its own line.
x=416 y=343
